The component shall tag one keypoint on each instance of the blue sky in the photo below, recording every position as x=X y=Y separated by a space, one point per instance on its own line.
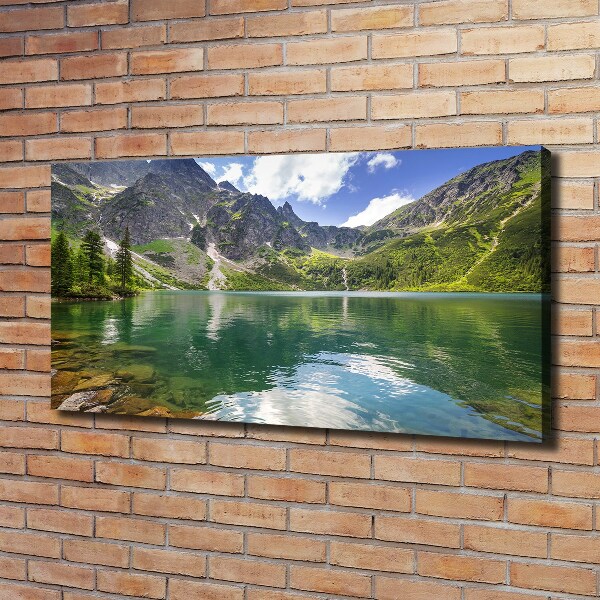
x=350 y=188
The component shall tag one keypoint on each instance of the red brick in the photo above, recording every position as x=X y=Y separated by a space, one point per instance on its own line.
x=203 y=30
x=60 y=521
x=548 y=513
x=252 y=514
x=333 y=50
x=330 y=581
x=38 y=201
x=78 y=121
x=388 y=588
x=12 y=516
x=506 y=477
x=170 y=507
x=26 y=592
x=287 y=24
x=96 y=553
x=31 y=492
x=247 y=457
x=286 y=489
x=459 y=506
x=247 y=113
x=62 y=43
x=95 y=499
x=124 y=474
x=417 y=531
x=337 y=464
x=11 y=202
x=563 y=450
x=13 y=568
x=134 y=37
x=38 y=360
x=539 y=9
x=105 y=444
x=575 y=548
x=11 y=359
x=288 y=547
x=32 y=544
x=573 y=259
x=415 y=43
x=553 y=578
x=17 y=124
x=245 y=56
x=12 y=46
x=38 y=307
x=500 y=540
x=372 y=557
x=94 y=66
x=371 y=77
x=142 y=144
x=297 y=140
x=154 y=117
x=60 y=467
x=31 y=19
x=78 y=94
x=11 y=410
x=162 y=561
x=29 y=71
x=132 y=584
x=330 y=522
x=22 y=177
x=129 y=529
x=107 y=13
x=37 y=255
x=157 y=10
x=244 y=570
x=207 y=86
x=167 y=61
x=210 y=539
x=394 y=468
x=207 y=142
x=378 y=18
x=10 y=98
x=207 y=482
x=223 y=7
x=11 y=150
x=180 y=589
x=26 y=281
x=463 y=11
x=461 y=568
x=370 y=495
x=40 y=438
x=58 y=149
x=12 y=306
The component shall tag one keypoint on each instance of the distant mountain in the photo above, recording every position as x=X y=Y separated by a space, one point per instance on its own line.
x=468 y=196
x=225 y=185
x=480 y=230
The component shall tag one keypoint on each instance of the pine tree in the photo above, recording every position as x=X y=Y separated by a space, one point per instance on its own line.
x=62 y=266
x=124 y=261
x=93 y=249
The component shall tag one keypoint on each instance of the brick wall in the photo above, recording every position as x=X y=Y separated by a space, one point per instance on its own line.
x=105 y=508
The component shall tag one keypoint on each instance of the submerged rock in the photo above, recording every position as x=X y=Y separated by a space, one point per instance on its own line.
x=86 y=401
x=64 y=382
x=140 y=373
x=98 y=381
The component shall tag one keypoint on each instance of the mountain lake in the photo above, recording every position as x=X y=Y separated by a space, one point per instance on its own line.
x=452 y=364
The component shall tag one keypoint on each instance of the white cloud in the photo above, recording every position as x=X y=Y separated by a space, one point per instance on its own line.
x=209 y=168
x=384 y=159
x=377 y=209
x=232 y=172
x=310 y=177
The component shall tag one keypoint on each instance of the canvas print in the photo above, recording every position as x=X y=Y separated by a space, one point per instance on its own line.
x=393 y=291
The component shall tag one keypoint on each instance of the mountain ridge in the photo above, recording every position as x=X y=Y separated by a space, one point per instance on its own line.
x=435 y=242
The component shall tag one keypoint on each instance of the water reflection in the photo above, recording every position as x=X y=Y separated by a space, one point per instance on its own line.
x=449 y=364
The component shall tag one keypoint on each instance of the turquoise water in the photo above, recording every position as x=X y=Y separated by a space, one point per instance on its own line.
x=462 y=365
